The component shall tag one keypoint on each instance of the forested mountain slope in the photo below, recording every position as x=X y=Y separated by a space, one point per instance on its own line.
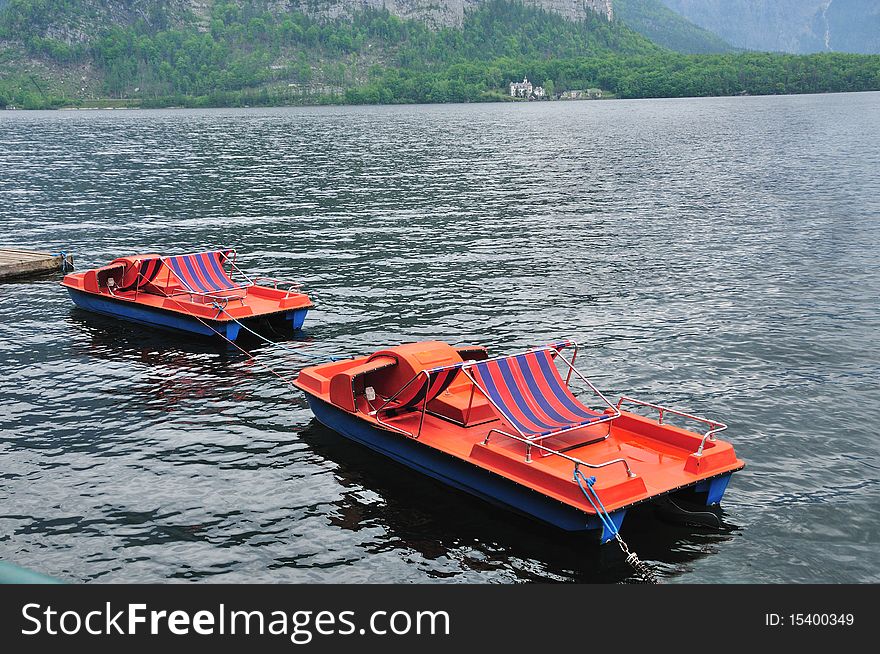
x=261 y=52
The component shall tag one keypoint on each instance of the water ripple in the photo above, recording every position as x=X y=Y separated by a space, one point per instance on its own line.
x=719 y=254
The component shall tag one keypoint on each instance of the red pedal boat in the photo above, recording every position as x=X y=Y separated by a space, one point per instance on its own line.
x=193 y=293
x=511 y=430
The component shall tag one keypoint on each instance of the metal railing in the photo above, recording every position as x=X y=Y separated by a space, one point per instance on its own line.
x=574 y=370
x=390 y=400
x=424 y=409
x=264 y=281
x=229 y=256
x=551 y=452
x=261 y=280
x=715 y=426
x=217 y=301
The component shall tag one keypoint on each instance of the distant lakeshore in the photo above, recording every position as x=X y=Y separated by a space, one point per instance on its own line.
x=104 y=104
x=112 y=104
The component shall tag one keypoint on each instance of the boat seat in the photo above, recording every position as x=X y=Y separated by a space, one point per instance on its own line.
x=202 y=272
x=424 y=390
x=462 y=406
x=530 y=394
x=346 y=386
x=422 y=371
x=110 y=277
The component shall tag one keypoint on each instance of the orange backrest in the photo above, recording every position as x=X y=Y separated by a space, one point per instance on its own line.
x=345 y=386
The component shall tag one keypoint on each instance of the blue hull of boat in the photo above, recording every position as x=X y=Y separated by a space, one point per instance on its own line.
x=714 y=489
x=145 y=315
x=460 y=474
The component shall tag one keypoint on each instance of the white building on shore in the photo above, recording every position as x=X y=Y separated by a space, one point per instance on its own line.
x=526 y=89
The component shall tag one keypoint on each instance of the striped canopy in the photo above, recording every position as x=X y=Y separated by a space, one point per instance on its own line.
x=202 y=272
x=530 y=393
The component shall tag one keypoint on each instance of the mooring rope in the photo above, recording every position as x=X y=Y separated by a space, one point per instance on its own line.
x=642 y=569
x=220 y=334
x=233 y=343
x=295 y=350
x=66 y=265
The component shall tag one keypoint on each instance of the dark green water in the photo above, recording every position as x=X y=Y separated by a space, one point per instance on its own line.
x=717 y=254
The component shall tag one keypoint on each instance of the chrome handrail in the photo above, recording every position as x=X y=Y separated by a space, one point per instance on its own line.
x=375 y=412
x=219 y=302
x=574 y=370
x=577 y=462
x=224 y=251
x=507 y=356
x=226 y=258
x=231 y=261
x=223 y=299
x=276 y=283
x=534 y=439
x=715 y=425
x=111 y=284
x=529 y=441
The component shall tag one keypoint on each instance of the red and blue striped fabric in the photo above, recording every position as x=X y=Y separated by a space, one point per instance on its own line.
x=202 y=272
x=531 y=395
x=146 y=271
x=422 y=393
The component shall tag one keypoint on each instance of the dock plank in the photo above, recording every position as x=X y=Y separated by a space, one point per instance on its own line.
x=16 y=263
x=24 y=256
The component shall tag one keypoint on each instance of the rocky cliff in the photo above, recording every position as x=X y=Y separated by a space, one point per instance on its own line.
x=79 y=22
x=438 y=12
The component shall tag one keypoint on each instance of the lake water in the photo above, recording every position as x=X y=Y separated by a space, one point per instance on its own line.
x=715 y=254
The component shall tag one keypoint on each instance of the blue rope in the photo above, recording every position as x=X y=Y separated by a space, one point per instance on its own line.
x=641 y=568
x=590 y=493
x=66 y=266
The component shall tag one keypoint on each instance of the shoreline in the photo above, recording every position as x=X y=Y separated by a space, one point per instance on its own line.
x=404 y=104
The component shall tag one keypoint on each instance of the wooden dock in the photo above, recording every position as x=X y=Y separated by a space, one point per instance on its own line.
x=15 y=263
